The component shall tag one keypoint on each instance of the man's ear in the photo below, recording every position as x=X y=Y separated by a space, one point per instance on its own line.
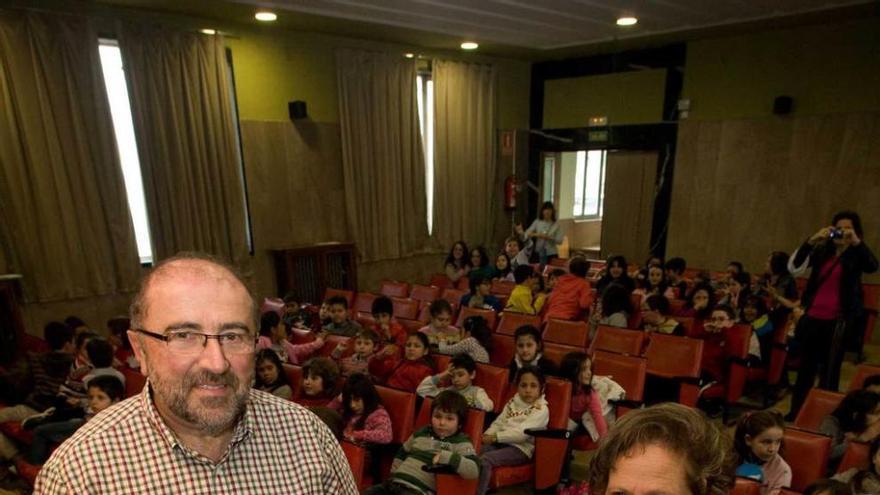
x=137 y=345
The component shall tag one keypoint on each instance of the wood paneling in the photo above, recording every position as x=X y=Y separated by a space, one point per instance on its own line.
x=743 y=188
x=629 y=204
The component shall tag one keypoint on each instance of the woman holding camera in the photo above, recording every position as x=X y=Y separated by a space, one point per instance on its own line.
x=832 y=301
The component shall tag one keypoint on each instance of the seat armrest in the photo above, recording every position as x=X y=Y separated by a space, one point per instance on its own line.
x=559 y=433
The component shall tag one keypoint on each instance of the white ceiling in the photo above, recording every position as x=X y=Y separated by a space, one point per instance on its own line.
x=550 y=24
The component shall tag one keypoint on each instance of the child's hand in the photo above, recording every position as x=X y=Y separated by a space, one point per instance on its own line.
x=489 y=438
x=72 y=401
x=447 y=371
x=321 y=336
x=436 y=459
x=390 y=350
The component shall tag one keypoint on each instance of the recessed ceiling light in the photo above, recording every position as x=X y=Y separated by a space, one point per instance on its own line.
x=265 y=16
x=627 y=21
x=408 y=55
x=469 y=45
x=208 y=31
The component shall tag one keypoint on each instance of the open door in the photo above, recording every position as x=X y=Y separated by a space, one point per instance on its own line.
x=629 y=204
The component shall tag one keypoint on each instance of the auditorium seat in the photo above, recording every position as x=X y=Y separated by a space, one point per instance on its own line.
x=557 y=352
x=425 y=294
x=619 y=340
x=275 y=305
x=347 y=294
x=871 y=302
x=511 y=321
x=504 y=287
x=450 y=483
x=393 y=288
x=134 y=381
x=807 y=455
x=363 y=303
x=489 y=315
x=863 y=371
x=746 y=486
x=440 y=280
x=405 y=308
x=573 y=333
x=857 y=455
x=677 y=359
x=494 y=380
x=294 y=376
x=453 y=296
x=503 y=350
x=818 y=404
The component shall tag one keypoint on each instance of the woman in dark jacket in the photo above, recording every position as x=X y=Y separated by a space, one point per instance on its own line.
x=832 y=301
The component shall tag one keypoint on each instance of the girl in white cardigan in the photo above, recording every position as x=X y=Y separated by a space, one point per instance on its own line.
x=505 y=443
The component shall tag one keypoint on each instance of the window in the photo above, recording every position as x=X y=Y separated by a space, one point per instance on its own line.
x=117 y=94
x=589 y=184
x=425 y=97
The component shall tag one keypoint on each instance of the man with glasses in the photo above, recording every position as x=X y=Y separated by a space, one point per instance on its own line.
x=198 y=427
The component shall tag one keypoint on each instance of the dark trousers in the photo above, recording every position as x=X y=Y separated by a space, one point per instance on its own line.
x=822 y=348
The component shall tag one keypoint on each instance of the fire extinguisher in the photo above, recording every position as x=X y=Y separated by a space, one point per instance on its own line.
x=510 y=187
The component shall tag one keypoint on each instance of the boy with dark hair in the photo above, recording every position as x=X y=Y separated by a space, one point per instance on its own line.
x=655 y=316
x=521 y=299
x=103 y=391
x=392 y=335
x=364 y=346
x=458 y=377
x=872 y=384
x=340 y=323
x=572 y=296
x=518 y=252
x=440 y=443
x=674 y=269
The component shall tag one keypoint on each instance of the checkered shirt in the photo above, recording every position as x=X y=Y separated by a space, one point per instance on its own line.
x=277 y=447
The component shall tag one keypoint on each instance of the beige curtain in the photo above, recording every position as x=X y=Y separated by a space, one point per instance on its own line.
x=464 y=163
x=383 y=162
x=64 y=221
x=183 y=121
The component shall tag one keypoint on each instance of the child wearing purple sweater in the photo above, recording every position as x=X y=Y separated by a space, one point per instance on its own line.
x=366 y=421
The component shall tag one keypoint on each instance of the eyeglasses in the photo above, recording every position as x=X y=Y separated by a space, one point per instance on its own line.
x=189 y=342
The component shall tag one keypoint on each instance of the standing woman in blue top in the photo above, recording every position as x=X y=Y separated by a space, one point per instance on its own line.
x=545 y=233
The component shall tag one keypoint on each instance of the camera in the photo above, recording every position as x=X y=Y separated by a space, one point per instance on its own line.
x=835 y=234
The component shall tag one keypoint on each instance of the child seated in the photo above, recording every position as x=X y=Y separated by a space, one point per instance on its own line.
x=522 y=300
x=479 y=296
x=270 y=374
x=754 y=312
x=591 y=409
x=100 y=358
x=655 y=316
x=320 y=375
x=441 y=442
x=518 y=252
x=73 y=386
x=476 y=342
x=756 y=443
x=674 y=271
x=273 y=335
x=340 y=323
x=528 y=352
x=737 y=292
x=416 y=364
x=103 y=392
x=572 y=296
x=505 y=442
x=441 y=327
x=392 y=335
x=614 y=307
x=857 y=419
x=502 y=267
x=864 y=481
x=714 y=363
x=366 y=421
x=294 y=315
x=654 y=284
x=365 y=343
x=458 y=377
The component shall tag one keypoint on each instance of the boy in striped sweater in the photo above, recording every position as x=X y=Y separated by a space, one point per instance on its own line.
x=440 y=443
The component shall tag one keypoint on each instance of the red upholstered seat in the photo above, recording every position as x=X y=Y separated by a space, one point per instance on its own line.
x=440 y=280
x=676 y=358
x=556 y=352
x=453 y=484
x=405 y=308
x=745 y=486
x=503 y=350
x=574 y=333
x=504 y=287
x=619 y=340
x=511 y=321
x=818 y=404
x=393 y=288
x=490 y=316
x=424 y=293
x=363 y=303
x=493 y=379
x=294 y=375
x=807 y=454
x=857 y=455
x=134 y=381
x=453 y=296
x=862 y=371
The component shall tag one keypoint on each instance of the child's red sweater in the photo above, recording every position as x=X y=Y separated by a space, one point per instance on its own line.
x=407 y=375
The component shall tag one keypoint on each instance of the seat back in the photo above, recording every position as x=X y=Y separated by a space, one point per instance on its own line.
x=511 y=321
x=401 y=407
x=424 y=293
x=556 y=352
x=453 y=296
x=393 y=288
x=674 y=357
x=473 y=422
x=619 y=340
x=275 y=305
x=294 y=376
x=676 y=305
x=440 y=280
x=818 y=404
x=503 y=350
x=405 y=308
x=493 y=379
x=490 y=316
x=807 y=455
x=575 y=333
x=857 y=455
x=862 y=371
x=558 y=395
x=500 y=286
x=347 y=294
x=686 y=322
x=745 y=486
x=134 y=381
x=363 y=302
x=628 y=371
x=441 y=361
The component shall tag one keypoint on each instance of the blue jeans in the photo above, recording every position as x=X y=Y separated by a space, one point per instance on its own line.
x=47 y=434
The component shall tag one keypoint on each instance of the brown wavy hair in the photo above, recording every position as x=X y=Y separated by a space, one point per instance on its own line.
x=708 y=458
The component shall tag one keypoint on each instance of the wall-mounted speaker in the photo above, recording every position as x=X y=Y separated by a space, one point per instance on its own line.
x=782 y=105
x=297 y=110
